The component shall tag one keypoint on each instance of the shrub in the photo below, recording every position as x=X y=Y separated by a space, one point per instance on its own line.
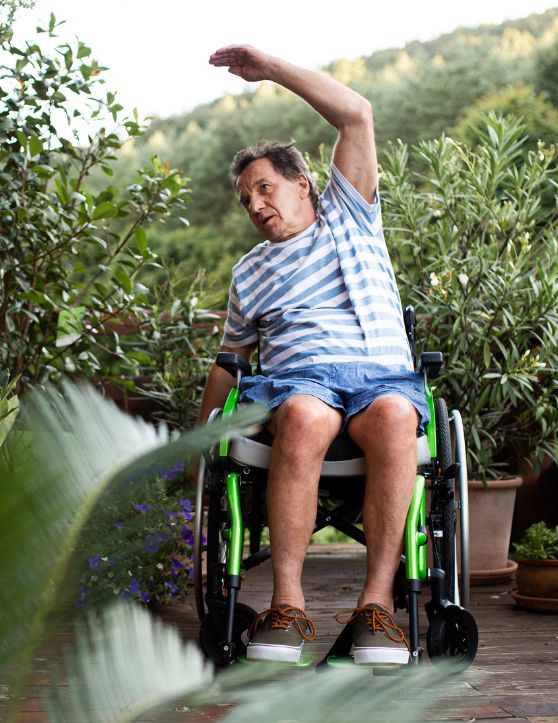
x=70 y=257
x=477 y=254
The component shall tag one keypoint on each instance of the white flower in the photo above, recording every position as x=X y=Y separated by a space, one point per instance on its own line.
x=463 y=279
x=434 y=281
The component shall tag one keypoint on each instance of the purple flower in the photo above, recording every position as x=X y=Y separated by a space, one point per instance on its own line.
x=174 y=590
x=173 y=472
x=143 y=508
x=95 y=561
x=176 y=564
x=118 y=524
x=188 y=536
x=186 y=505
x=173 y=515
x=145 y=597
x=134 y=586
x=151 y=543
x=190 y=572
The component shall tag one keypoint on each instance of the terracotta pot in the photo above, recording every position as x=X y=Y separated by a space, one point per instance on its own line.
x=538 y=578
x=490 y=521
x=537 y=585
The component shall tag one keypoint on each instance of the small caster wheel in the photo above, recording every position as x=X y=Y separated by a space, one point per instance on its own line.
x=452 y=638
x=212 y=631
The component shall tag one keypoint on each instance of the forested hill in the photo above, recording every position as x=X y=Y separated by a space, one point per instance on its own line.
x=417 y=92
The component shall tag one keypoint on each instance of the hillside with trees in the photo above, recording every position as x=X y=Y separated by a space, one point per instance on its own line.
x=418 y=92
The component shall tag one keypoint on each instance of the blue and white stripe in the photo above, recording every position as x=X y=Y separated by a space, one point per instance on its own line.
x=326 y=295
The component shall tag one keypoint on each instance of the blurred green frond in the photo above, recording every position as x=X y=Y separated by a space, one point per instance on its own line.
x=72 y=449
x=127 y=663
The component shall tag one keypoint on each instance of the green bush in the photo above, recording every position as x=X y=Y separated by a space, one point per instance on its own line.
x=477 y=254
x=539 y=542
x=70 y=257
x=138 y=546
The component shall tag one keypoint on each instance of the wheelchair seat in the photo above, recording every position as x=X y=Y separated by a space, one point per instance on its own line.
x=343 y=459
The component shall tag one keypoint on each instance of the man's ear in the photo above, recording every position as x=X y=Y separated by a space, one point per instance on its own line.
x=303 y=186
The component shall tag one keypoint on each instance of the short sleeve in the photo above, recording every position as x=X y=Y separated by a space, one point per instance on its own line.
x=237 y=332
x=341 y=193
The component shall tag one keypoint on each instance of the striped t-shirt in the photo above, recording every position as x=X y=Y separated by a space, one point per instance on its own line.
x=325 y=295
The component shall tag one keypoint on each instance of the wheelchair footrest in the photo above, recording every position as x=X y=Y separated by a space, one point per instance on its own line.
x=306 y=661
x=337 y=661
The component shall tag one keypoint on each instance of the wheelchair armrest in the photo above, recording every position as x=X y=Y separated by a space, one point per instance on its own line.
x=233 y=364
x=431 y=362
x=410 y=320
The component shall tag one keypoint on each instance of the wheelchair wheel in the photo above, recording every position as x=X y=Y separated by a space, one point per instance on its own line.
x=212 y=631
x=200 y=521
x=452 y=637
x=445 y=502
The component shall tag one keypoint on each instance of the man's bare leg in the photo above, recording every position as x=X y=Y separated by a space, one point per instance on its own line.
x=386 y=432
x=304 y=428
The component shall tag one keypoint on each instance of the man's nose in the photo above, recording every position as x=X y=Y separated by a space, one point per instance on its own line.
x=256 y=205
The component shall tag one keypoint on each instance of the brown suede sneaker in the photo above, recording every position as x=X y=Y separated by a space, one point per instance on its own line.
x=278 y=634
x=376 y=637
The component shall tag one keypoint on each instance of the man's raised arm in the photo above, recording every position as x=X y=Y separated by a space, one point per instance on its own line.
x=355 y=152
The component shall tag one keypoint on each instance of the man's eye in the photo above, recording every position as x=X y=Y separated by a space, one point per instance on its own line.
x=265 y=186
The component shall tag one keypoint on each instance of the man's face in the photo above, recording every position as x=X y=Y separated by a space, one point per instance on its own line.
x=278 y=207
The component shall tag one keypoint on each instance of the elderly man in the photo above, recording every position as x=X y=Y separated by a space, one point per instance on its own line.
x=318 y=298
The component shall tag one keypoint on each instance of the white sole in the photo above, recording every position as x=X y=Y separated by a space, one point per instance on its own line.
x=274 y=653
x=384 y=656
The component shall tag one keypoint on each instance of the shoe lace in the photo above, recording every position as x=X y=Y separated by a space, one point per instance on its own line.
x=282 y=617
x=377 y=620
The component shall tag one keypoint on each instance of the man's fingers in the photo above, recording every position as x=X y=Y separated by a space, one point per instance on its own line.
x=226 y=56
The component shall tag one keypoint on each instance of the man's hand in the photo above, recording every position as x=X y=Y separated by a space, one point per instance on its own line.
x=244 y=61
x=351 y=114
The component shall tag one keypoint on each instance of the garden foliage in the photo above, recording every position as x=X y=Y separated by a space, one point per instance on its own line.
x=539 y=542
x=70 y=256
x=474 y=242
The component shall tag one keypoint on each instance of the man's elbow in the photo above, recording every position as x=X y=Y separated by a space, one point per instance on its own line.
x=360 y=113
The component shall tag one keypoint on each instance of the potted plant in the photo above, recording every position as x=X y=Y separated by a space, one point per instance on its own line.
x=537 y=570
x=471 y=231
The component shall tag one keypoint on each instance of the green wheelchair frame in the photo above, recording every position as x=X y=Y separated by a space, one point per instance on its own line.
x=234 y=497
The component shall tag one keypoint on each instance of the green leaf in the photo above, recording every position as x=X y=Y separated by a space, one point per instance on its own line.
x=105 y=209
x=124 y=280
x=70 y=326
x=83 y=51
x=8 y=417
x=22 y=138
x=486 y=354
x=141 y=238
x=35 y=146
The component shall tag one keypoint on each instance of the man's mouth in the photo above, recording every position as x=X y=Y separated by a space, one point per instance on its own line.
x=265 y=220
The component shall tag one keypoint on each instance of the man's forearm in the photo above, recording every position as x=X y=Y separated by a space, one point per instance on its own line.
x=339 y=105
x=219 y=384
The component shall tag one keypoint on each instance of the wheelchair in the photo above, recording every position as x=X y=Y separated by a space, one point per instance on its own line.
x=230 y=501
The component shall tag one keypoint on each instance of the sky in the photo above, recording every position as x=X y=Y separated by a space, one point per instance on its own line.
x=158 y=51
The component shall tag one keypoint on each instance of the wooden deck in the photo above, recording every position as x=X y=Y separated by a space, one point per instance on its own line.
x=515 y=675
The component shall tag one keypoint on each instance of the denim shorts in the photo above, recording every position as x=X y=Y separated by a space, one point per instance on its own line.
x=348 y=386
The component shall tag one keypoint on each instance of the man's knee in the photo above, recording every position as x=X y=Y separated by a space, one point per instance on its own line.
x=303 y=417
x=390 y=415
